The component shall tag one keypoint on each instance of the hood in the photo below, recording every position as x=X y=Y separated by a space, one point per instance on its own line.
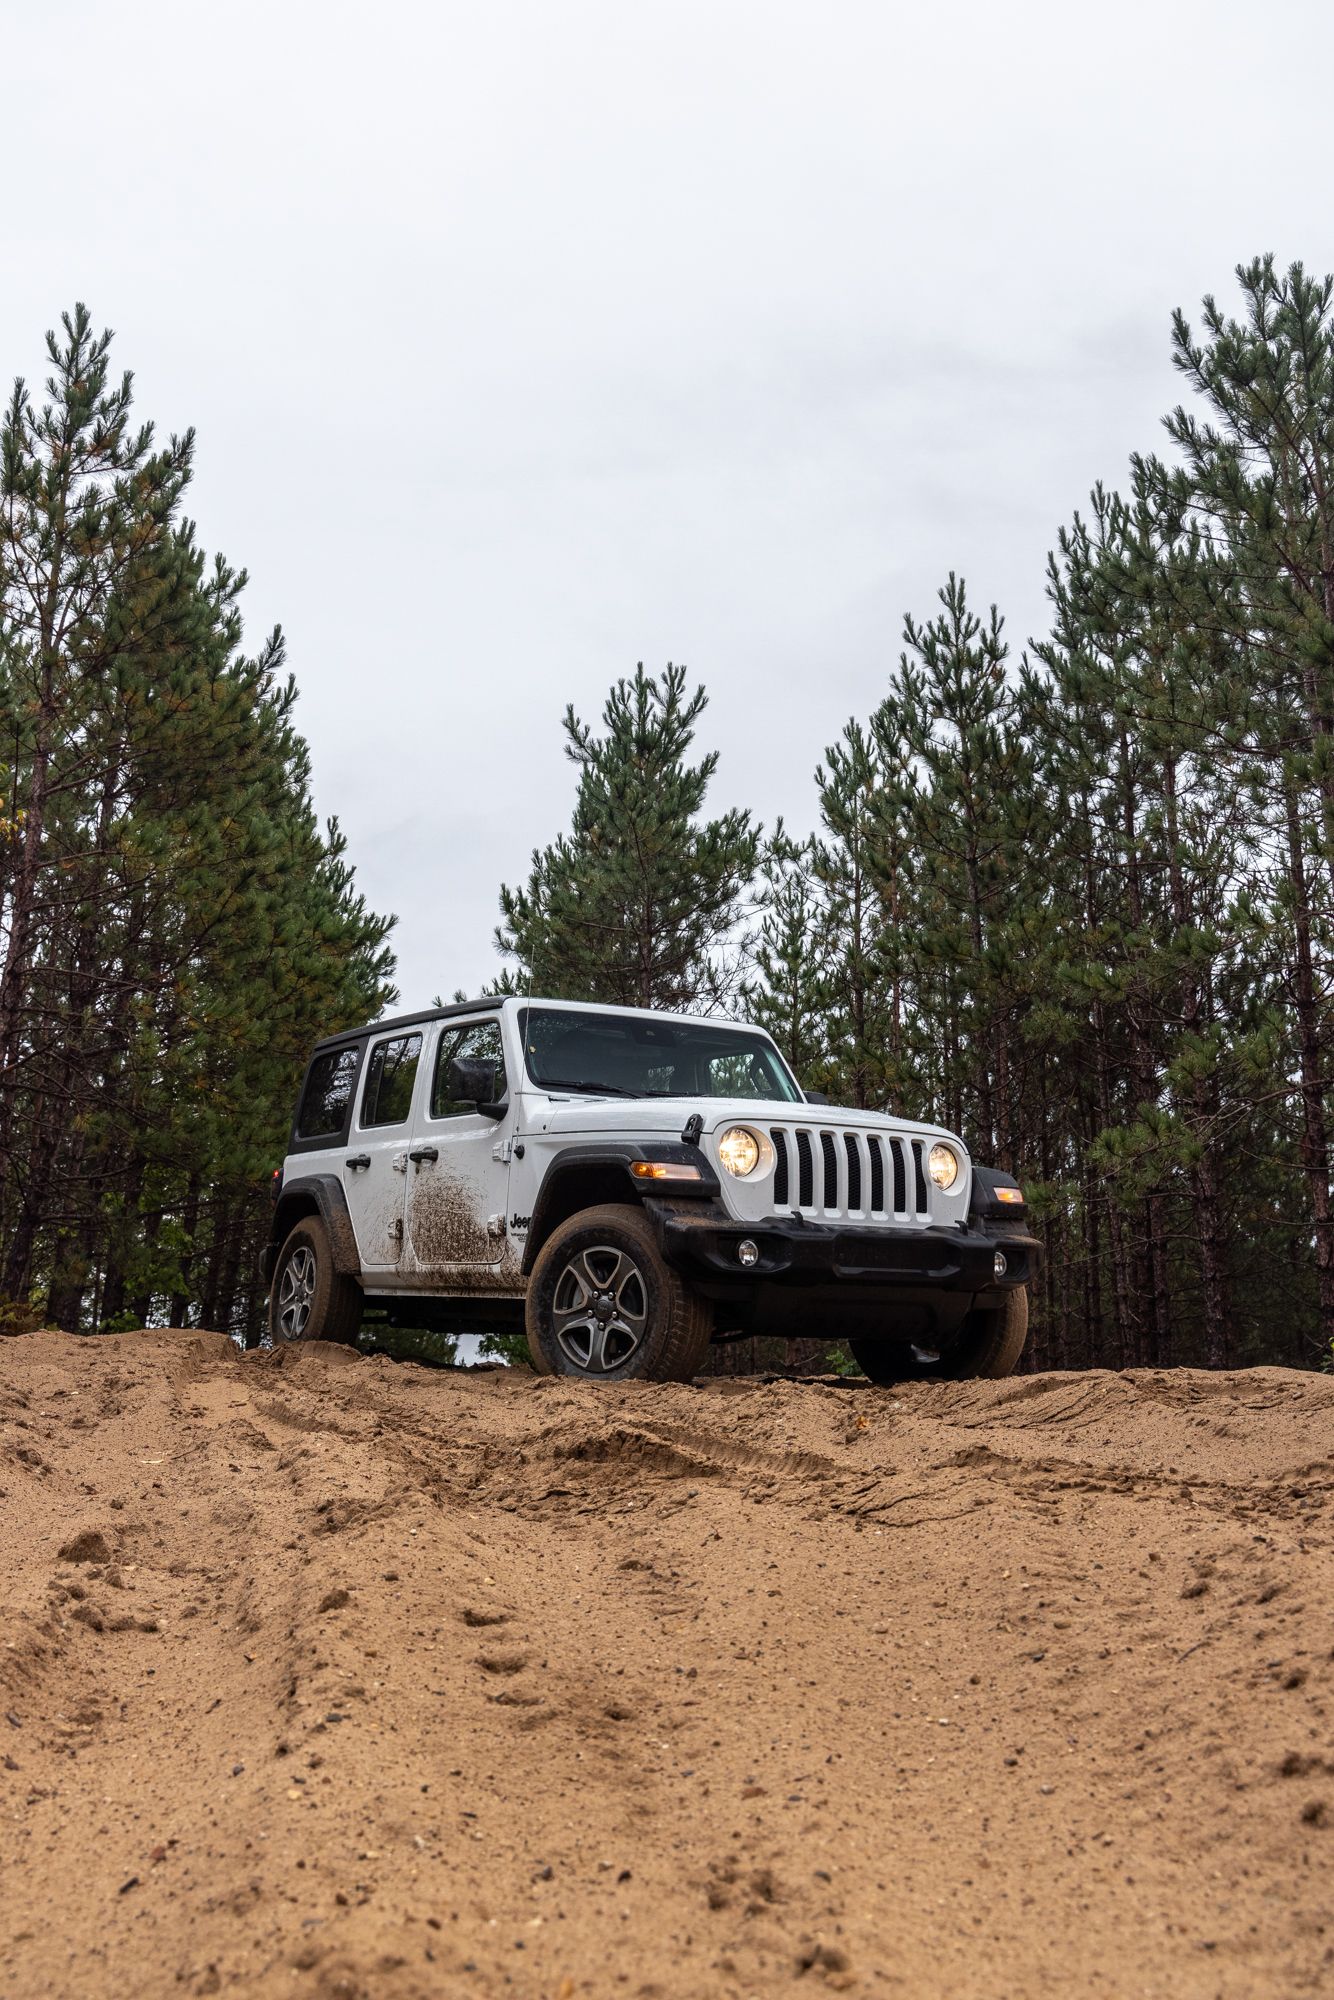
x=667 y=1115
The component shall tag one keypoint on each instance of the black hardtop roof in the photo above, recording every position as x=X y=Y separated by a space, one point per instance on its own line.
x=488 y=1001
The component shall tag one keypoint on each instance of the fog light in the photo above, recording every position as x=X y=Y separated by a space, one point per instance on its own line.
x=999 y=1264
x=747 y=1253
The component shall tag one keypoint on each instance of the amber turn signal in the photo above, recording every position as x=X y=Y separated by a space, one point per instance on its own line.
x=1008 y=1194
x=663 y=1170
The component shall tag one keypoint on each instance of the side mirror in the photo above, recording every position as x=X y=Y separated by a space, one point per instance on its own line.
x=817 y=1097
x=473 y=1081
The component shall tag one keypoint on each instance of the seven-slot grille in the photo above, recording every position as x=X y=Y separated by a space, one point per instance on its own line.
x=832 y=1174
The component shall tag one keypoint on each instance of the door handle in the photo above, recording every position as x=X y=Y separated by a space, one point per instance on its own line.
x=355 y=1160
x=420 y=1153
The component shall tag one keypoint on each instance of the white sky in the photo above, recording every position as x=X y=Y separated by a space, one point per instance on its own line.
x=528 y=341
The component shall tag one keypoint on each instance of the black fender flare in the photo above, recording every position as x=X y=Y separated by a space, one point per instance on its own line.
x=611 y=1164
x=322 y=1195
x=983 y=1205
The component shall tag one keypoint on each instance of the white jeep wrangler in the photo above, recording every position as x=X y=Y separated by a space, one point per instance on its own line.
x=628 y=1186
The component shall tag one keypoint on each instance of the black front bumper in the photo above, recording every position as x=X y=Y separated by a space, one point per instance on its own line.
x=817 y=1277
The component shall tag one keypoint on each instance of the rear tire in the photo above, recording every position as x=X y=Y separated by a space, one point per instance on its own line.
x=988 y=1346
x=604 y=1306
x=309 y=1299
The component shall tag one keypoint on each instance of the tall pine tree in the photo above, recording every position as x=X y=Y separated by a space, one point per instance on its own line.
x=640 y=903
x=176 y=927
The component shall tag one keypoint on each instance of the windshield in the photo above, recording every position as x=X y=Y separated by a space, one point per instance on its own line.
x=640 y=1056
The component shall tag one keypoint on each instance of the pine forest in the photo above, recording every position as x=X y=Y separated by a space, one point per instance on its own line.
x=177 y=926
x=1071 y=894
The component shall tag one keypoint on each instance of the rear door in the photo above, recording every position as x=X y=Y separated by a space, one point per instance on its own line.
x=458 y=1180
x=375 y=1168
x=319 y=1136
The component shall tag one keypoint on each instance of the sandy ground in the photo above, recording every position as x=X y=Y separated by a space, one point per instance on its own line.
x=322 y=1676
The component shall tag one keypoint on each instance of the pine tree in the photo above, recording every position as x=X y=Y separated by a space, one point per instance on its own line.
x=1145 y=828
x=790 y=989
x=974 y=826
x=177 y=928
x=640 y=903
x=864 y=1036
x=1260 y=474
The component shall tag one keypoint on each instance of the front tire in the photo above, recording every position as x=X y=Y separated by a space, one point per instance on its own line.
x=309 y=1299
x=988 y=1347
x=604 y=1306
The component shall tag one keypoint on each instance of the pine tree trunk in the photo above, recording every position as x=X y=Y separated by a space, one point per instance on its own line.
x=180 y=1302
x=17 y=1274
x=1126 y=1299
x=1319 y=693
x=141 y=1305
x=1160 y=1267
x=71 y=1263
x=1095 y=1350
x=16 y=972
x=981 y=1066
x=1213 y=1266
x=1205 y=1203
x=210 y=1287
x=225 y=1307
x=1063 y=1317
x=1314 y=1136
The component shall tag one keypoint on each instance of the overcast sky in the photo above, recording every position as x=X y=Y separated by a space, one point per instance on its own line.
x=527 y=341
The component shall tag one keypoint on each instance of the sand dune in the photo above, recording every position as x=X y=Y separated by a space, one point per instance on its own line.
x=322 y=1676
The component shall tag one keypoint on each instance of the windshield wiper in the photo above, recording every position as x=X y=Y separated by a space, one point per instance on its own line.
x=581 y=1083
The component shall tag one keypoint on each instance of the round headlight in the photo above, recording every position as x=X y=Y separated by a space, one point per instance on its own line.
x=943 y=1166
x=739 y=1151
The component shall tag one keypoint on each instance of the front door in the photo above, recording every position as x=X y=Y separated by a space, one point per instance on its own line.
x=458 y=1177
x=375 y=1168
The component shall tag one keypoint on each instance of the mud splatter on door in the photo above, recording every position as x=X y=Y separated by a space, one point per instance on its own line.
x=447 y=1221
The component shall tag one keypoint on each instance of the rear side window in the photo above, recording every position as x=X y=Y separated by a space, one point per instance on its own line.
x=390 y=1075
x=328 y=1092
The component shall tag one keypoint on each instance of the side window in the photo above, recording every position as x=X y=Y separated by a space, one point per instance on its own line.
x=390 y=1074
x=328 y=1091
x=479 y=1053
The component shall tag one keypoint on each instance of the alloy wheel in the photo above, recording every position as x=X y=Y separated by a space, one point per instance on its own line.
x=296 y=1290
x=599 y=1309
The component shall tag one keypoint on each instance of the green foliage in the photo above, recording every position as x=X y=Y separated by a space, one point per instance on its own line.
x=511 y=1348
x=639 y=902
x=180 y=928
x=424 y=1344
x=791 y=988
x=854 y=860
x=1082 y=909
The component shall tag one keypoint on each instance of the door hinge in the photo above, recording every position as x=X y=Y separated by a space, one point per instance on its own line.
x=503 y=1151
x=495 y=1225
